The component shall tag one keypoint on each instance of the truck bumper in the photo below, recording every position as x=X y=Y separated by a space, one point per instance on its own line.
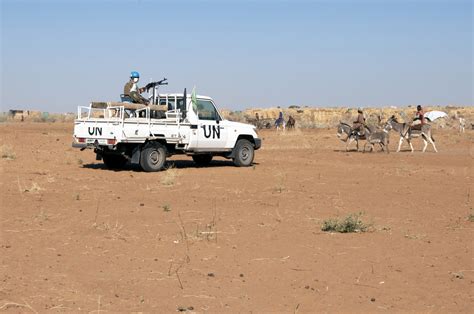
x=258 y=143
x=83 y=146
x=79 y=145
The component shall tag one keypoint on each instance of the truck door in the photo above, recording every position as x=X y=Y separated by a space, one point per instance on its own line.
x=212 y=130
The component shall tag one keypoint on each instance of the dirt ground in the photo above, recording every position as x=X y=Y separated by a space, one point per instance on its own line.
x=78 y=237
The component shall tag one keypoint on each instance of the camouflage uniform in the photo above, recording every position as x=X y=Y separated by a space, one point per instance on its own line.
x=131 y=89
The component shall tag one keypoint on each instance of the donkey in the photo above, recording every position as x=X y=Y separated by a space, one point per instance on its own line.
x=407 y=132
x=379 y=137
x=280 y=123
x=351 y=136
x=291 y=123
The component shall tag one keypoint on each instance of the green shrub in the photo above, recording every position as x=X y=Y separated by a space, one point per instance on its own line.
x=351 y=223
x=330 y=225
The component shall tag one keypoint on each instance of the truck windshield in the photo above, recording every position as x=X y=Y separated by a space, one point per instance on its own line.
x=206 y=110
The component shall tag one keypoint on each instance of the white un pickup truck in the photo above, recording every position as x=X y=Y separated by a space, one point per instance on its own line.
x=173 y=124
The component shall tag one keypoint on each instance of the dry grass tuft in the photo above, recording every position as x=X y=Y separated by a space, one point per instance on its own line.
x=470 y=218
x=7 y=152
x=50 y=179
x=207 y=232
x=42 y=216
x=280 y=179
x=113 y=231
x=169 y=176
x=34 y=188
x=203 y=232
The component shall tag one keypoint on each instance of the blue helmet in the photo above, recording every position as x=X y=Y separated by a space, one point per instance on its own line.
x=134 y=74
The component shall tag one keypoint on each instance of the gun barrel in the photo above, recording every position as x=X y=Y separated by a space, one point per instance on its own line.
x=154 y=84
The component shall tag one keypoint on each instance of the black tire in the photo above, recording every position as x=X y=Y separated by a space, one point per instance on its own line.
x=243 y=153
x=113 y=161
x=202 y=160
x=153 y=157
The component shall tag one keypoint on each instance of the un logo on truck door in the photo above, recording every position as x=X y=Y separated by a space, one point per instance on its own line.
x=211 y=130
x=94 y=130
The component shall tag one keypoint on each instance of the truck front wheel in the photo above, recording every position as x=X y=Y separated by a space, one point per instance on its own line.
x=243 y=153
x=153 y=157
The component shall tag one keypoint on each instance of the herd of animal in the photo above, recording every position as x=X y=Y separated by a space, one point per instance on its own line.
x=279 y=124
x=374 y=136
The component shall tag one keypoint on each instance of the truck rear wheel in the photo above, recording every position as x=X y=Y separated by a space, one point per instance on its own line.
x=153 y=157
x=113 y=161
x=243 y=153
x=202 y=160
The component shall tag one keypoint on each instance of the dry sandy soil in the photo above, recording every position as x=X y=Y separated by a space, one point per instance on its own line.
x=78 y=237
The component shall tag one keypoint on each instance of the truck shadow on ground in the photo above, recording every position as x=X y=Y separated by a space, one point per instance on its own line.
x=178 y=164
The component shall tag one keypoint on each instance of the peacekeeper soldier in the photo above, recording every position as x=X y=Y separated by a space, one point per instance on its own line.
x=131 y=89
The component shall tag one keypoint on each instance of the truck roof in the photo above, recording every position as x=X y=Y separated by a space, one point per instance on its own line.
x=181 y=95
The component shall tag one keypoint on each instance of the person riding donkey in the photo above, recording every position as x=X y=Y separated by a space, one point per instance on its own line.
x=419 y=119
x=359 y=124
x=280 y=122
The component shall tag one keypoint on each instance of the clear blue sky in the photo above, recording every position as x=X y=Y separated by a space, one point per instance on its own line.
x=57 y=55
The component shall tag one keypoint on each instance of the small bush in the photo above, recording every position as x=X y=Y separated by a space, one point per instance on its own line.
x=471 y=217
x=351 y=223
x=330 y=225
x=7 y=152
x=35 y=188
x=169 y=176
